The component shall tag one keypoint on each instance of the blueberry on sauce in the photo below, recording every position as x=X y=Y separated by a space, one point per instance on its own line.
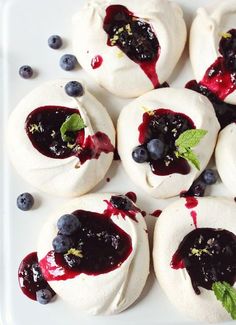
x=43 y=127
x=30 y=278
x=133 y=36
x=97 y=246
x=220 y=80
x=209 y=255
x=157 y=135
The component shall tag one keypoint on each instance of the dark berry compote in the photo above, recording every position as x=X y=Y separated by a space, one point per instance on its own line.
x=219 y=80
x=98 y=246
x=43 y=127
x=157 y=135
x=135 y=37
x=30 y=277
x=209 y=255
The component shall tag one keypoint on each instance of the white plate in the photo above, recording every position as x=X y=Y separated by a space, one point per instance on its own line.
x=27 y=25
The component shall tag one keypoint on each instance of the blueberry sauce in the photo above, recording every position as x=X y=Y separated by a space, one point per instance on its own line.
x=103 y=246
x=219 y=80
x=156 y=213
x=96 y=62
x=121 y=205
x=43 y=129
x=143 y=213
x=134 y=37
x=30 y=277
x=209 y=255
x=132 y=196
x=165 y=125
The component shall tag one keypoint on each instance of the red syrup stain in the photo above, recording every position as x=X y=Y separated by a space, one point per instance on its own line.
x=102 y=252
x=156 y=213
x=194 y=217
x=113 y=211
x=177 y=262
x=108 y=179
x=132 y=196
x=143 y=213
x=30 y=277
x=140 y=32
x=96 y=62
x=191 y=202
x=219 y=80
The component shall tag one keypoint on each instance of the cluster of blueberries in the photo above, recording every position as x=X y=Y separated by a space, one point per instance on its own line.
x=155 y=150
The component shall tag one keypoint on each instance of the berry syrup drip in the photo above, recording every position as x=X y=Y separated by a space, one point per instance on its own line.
x=102 y=244
x=156 y=213
x=121 y=205
x=191 y=202
x=167 y=126
x=134 y=37
x=43 y=129
x=209 y=255
x=96 y=62
x=30 y=277
x=132 y=196
x=226 y=113
x=219 y=80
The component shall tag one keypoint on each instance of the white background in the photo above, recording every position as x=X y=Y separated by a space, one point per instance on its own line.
x=26 y=26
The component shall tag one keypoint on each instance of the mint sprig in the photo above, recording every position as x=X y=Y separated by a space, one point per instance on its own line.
x=225 y=293
x=186 y=141
x=73 y=123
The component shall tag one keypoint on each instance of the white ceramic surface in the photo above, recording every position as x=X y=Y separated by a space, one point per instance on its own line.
x=27 y=24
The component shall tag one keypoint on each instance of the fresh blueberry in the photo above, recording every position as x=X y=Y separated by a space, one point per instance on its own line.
x=25 y=201
x=198 y=188
x=121 y=202
x=43 y=296
x=61 y=244
x=68 y=62
x=55 y=42
x=140 y=154
x=26 y=72
x=156 y=148
x=209 y=176
x=74 y=89
x=68 y=224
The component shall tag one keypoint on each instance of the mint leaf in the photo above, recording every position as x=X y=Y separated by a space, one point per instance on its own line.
x=73 y=123
x=186 y=141
x=190 y=138
x=191 y=157
x=227 y=295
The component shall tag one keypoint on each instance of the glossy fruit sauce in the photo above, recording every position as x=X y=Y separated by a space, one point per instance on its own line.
x=209 y=255
x=167 y=126
x=43 y=129
x=134 y=37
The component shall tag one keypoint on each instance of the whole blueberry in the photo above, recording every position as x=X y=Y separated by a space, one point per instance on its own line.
x=43 y=296
x=197 y=189
x=55 y=42
x=67 y=224
x=26 y=72
x=140 y=154
x=25 y=201
x=209 y=176
x=121 y=202
x=61 y=244
x=68 y=62
x=156 y=148
x=74 y=89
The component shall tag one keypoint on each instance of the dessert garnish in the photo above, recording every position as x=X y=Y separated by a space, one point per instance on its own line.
x=74 y=89
x=135 y=37
x=25 y=201
x=167 y=139
x=93 y=245
x=72 y=124
x=225 y=293
x=55 y=42
x=121 y=205
x=68 y=62
x=26 y=72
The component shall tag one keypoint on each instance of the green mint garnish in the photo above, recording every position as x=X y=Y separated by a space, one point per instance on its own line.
x=73 y=123
x=225 y=293
x=185 y=142
x=75 y=252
